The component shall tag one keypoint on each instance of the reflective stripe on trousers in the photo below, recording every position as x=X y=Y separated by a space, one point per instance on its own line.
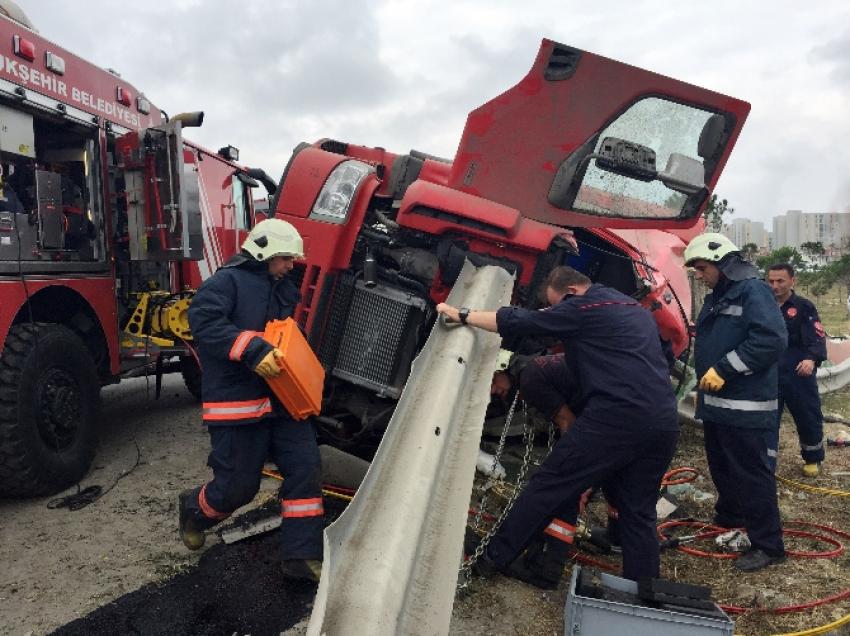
x=240 y=410
x=207 y=510
x=561 y=530
x=301 y=507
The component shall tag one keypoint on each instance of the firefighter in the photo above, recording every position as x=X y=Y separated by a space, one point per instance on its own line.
x=740 y=337
x=798 y=367
x=549 y=385
x=245 y=420
x=626 y=432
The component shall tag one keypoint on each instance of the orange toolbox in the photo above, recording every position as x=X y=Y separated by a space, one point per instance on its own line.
x=302 y=378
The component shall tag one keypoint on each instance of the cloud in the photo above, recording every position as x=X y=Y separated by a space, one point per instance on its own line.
x=404 y=74
x=835 y=53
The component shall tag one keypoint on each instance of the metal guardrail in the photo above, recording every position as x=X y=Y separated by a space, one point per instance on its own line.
x=391 y=559
x=834 y=378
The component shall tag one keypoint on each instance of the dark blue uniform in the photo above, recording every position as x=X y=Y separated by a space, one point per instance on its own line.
x=547 y=384
x=806 y=341
x=741 y=334
x=246 y=422
x=625 y=434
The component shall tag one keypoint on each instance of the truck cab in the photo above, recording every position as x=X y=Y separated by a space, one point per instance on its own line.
x=585 y=161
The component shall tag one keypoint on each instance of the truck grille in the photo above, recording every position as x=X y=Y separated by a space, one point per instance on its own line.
x=373 y=343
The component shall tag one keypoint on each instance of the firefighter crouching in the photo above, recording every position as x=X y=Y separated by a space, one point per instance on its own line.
x=245 y=420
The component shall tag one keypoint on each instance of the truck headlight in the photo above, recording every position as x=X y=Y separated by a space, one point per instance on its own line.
x=334 y=200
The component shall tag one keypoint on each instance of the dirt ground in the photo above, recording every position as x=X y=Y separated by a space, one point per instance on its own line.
x=117 y=567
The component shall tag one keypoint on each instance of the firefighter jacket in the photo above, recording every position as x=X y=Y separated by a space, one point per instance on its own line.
x=740 y=333
x=228 y=316
x=806 y=337
x=612 y=345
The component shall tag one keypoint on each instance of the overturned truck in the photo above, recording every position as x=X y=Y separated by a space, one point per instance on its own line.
x=586 y=162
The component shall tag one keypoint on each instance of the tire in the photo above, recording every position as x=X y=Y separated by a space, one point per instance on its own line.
x=191 y=375
x=49 y=406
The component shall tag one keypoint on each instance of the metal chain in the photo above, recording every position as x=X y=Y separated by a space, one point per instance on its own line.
x=551 y=442
x=528 y=436
x=476 y=524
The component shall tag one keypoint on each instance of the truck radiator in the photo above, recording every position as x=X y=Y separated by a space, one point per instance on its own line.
x=372 y=335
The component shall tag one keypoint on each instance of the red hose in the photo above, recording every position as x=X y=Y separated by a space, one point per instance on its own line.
x=692 y=472
x=787 y=609
x=582 y=558
x=716 y=530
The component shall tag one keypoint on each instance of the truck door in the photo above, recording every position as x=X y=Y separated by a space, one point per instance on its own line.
x=162 y=197
x=242 y=206
x=583 y=140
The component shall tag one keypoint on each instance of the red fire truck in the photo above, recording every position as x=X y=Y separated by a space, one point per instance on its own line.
x=108 y=218
x=586 y=162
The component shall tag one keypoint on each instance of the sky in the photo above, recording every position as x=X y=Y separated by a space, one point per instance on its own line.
x=403 y=75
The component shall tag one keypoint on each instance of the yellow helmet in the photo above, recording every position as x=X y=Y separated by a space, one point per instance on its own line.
x=710 y=247
x=273 y=237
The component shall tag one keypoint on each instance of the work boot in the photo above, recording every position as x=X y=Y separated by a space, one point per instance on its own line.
x=192 y=536
x=542 y=564
x=302 y=569
x=756 y=559
x=811 y=469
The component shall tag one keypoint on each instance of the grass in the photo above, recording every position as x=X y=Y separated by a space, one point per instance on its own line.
x=832 y=308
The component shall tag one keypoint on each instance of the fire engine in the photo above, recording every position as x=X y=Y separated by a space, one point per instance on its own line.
x=108 y=219
x=586 y=161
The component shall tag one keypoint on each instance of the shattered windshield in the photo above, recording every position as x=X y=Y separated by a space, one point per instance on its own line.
x=666 y=127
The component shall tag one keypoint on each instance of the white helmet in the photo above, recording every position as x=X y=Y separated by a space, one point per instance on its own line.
x=710 y=247
x=273 y=237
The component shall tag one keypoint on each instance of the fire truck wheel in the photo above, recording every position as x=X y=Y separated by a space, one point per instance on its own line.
x=191 y=375
x=49 y=403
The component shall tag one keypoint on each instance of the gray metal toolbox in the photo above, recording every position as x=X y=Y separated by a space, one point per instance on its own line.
x=600 y=616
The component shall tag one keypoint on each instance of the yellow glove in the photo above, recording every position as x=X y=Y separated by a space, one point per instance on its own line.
x=711 y=381
x=268 y=367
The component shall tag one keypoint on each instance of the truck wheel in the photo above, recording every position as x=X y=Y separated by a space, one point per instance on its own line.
x=191 y=375
x=49 y=403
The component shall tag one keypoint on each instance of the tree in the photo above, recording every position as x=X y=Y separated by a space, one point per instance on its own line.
x=714 y=213
x=749 y=251
x=781 y=255
x=813 y=249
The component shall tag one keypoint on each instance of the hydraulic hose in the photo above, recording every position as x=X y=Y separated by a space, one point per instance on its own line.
x=713 y=531
x=331 y=490
x=821 y=629
x=691 y=475
x=815 y=489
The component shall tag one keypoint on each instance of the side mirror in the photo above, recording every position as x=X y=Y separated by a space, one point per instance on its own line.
x=683 y=174
x=260 y=175
x=626 y=158
x=248 y=181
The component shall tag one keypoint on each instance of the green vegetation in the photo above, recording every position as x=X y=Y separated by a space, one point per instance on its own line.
x=715 y=211
x=832 y=307
x=827 y=286
x=781 y=255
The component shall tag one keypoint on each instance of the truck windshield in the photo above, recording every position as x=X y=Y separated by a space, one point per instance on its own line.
x=665 y=126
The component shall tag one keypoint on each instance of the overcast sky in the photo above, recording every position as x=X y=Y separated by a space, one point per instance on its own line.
x=404 y=75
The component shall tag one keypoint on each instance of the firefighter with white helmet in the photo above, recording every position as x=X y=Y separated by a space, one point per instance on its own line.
x=245 y=420
x=740 y=336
